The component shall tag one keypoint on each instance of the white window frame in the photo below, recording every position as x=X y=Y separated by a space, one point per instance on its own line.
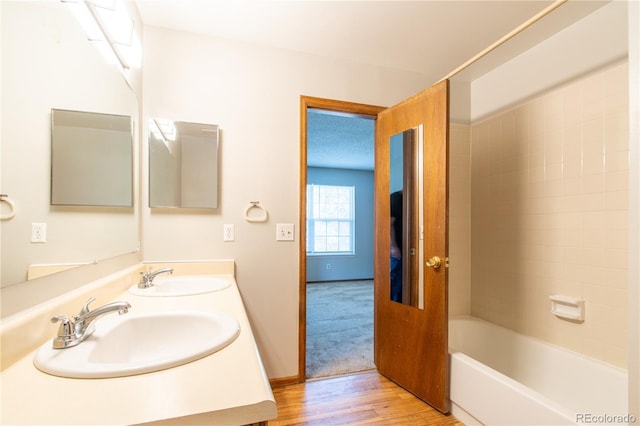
x=339 y=223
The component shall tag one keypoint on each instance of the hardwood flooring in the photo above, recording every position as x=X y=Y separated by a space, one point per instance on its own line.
x=358 y=399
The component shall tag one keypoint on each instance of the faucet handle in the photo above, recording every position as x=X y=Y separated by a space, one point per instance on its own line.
x=66 y=325
x=66 y=333
x=85 y=308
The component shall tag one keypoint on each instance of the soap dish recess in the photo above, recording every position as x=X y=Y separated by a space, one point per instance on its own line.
x=567 y=307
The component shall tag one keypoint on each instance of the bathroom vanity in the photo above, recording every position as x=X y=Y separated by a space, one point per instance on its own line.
x=228 y=387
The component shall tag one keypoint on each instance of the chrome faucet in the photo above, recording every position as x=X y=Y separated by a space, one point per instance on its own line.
x=74 y=330
x=146 y=279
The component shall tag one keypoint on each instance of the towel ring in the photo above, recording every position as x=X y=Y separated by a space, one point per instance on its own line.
x=256 y=205
x=12 y=212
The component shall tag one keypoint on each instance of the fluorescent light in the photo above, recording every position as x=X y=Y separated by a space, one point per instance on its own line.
x=115 y=20
x=107 y=23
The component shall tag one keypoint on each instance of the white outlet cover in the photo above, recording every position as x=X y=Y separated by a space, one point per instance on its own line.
x=228 y=232
x=38 y=232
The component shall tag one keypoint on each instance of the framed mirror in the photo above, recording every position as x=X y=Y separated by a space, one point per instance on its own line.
x=91 y=159
x=183 y=164
x=405 y=185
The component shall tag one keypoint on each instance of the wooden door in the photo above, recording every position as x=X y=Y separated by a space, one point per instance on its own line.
x=410 y=338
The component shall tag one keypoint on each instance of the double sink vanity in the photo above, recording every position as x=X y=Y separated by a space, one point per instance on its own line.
x=154 y=344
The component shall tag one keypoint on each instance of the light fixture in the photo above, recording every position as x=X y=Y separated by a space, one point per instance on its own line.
x=108 y=23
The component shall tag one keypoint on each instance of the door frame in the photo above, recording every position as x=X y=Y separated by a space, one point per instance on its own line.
x=310 y=102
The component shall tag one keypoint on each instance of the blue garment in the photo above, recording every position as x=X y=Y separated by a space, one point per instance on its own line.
x=396 y=279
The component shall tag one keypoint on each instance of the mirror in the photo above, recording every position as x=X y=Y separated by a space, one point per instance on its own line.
x=49 y=63
x=91 y=159
x=405 y=185
x=183 y=164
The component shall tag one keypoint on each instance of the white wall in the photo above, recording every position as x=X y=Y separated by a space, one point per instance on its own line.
x=253 y=93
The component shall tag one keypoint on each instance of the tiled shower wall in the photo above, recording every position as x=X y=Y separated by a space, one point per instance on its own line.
x=459 y=220
x=549 y=214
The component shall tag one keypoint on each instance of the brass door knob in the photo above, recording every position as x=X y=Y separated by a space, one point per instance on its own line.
x=435 y=262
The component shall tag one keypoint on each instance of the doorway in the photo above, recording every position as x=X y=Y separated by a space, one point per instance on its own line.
x=328 y=269
x=407 y=335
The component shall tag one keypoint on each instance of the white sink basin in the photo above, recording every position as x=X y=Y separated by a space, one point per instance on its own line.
x=185 y=285
x=133 y=343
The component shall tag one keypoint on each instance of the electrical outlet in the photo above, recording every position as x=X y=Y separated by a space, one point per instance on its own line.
x=284 y=232
x=228 y=232
x=38 y=232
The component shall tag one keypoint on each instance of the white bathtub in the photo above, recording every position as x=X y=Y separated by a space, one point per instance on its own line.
x=500 y=377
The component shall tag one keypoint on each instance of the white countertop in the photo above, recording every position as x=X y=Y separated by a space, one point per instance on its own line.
x=228 y=387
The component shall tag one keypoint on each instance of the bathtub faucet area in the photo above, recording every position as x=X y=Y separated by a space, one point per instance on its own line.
x=72 y=331
x=146 y=278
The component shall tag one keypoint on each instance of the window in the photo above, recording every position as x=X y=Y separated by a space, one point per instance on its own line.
x=330 y=219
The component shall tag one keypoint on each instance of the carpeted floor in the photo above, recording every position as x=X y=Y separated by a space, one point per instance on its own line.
x=339 y=328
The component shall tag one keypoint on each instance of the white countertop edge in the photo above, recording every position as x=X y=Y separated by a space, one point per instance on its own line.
x=250 y=414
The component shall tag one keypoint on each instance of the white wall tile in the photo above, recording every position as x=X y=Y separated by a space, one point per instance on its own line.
x=549 y=200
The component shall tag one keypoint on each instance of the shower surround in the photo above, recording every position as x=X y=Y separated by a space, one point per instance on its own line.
x=549 y=214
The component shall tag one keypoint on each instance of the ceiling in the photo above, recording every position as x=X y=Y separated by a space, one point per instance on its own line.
x=432 y=38
x=339 y=141
x=406 y=35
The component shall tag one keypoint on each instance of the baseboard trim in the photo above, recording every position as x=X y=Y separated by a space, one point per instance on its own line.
x=284 y=381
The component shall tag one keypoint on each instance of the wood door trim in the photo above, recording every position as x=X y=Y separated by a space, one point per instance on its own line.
x=307 y=102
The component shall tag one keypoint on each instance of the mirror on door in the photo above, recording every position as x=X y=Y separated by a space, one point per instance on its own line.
x=405 y=185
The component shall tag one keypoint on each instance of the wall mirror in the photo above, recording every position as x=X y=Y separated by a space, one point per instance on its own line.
x=406 y=213
x=183 y=164
x=62 y=70
x=91 y=159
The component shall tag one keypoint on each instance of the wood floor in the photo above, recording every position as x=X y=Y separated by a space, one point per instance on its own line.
x=359 y=399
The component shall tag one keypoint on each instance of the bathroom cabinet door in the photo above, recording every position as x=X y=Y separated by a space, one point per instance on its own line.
x=410 y=318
